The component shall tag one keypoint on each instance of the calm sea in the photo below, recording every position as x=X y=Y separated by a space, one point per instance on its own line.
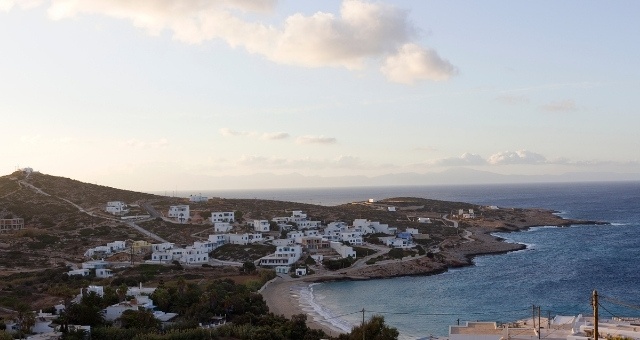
x=558 y=270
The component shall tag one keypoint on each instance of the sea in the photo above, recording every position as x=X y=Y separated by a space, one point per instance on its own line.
x=558 y=270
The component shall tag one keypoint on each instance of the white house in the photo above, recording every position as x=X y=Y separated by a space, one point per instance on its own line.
x=117 y=246
x=217 y=239
x=80 y=272
x=223 y=216
x=159 y=247
x=117 y=208
x=424 y=220
x=395 y=242
x=243 y=238
x=103 y=273
x=194 y=255
x=301 y=271
x=342 y=250
x=282 y=242
x=222 y=227
x=469 y=214
x=353 y=237
x=198 y=198
x=261 y=226
x=207 y=246
x=179 y=212
x=161 y=256
x=311 y=232
x=294 y=234
x=284 y=256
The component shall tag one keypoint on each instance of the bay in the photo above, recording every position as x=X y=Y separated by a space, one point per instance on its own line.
x=558 y=270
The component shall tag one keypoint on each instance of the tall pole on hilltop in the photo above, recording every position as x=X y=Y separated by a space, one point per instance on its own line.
x=533 y=316
x=594 y=302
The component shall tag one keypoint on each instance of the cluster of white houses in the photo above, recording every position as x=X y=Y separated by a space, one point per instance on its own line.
x=302 y=234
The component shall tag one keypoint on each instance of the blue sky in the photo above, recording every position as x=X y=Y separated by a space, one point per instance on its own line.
x=157 y=94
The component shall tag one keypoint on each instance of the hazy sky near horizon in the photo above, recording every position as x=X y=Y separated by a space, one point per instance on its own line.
x=152 y=94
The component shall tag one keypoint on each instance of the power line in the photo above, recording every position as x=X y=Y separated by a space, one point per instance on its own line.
x=615 y=316
x=618 y=302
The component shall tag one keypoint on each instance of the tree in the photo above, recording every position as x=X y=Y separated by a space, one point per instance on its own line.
x=248 y=267
x=139 y=319
x=238 y=215
x=374 y=329
x=26 y=318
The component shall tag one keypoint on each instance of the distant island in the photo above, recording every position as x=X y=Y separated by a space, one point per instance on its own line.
x=55 y=223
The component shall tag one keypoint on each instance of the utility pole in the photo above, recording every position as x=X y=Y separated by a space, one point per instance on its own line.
x=539 y=323
x=533 y=316
x=363 y=323
x=594 y=303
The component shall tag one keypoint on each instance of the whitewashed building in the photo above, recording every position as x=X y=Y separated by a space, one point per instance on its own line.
x=179 y=212
x=352 y=237
x=261 y=226
x=222 y=227
x=243 y=238
x=283 y=256
x=198 y=198
x=117 y=208
x=342 y=250
x=193 y=255
x=223 y=216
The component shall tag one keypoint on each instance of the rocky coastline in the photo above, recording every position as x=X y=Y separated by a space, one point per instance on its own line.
x=478 y=242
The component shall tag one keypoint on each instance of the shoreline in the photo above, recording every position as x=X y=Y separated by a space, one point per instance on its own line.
x=282 y=294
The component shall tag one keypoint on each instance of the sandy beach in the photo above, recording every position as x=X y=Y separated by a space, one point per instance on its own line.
x=282 y=297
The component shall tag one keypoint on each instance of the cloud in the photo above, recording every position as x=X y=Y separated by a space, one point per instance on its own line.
x=464 y=160
x=136 y=143
x=559 y=106
x=275 y=136
x=516 y=157
x=229 y=132
x=315 y=140
x=412 y=63
x=362 y=32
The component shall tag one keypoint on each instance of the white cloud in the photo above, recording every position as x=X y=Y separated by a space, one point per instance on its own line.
x=464 y=160
x=361 y=32
x=275 y=136
x=315 y=140
x=516 y=157
x=561 y=105
x=412 y=63
x=139 y=144
x=230 y=132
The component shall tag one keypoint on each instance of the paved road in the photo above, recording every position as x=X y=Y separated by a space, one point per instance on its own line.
x=455 y=223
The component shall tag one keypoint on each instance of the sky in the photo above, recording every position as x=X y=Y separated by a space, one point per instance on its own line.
x=162 y=94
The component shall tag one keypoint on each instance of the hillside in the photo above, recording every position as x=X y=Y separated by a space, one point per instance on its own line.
x=63 y=217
